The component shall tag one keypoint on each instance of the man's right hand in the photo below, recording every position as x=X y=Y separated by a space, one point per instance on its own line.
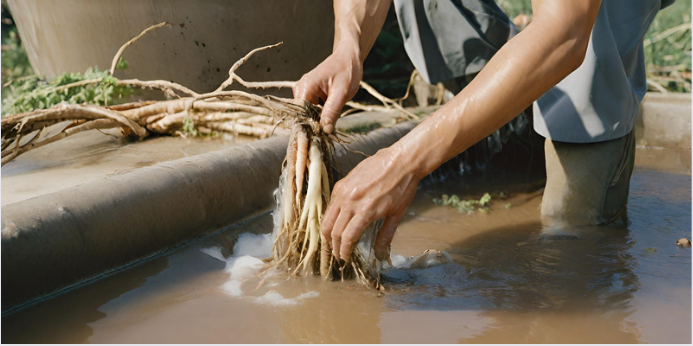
x=335 y=81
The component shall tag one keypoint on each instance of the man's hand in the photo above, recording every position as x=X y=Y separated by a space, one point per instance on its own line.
x=380 y=187
x=335 y=81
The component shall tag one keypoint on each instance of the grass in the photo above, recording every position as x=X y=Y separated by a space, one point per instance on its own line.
x=667 y=44
x=514 y=7
x=668 y=48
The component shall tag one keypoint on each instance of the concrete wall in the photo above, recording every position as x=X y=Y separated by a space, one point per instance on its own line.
x=210 y=35
x=664 y=120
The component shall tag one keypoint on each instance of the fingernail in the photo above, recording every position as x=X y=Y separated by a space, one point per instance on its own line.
x=328 y=128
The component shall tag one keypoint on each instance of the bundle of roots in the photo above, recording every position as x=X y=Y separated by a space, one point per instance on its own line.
x=304 y=193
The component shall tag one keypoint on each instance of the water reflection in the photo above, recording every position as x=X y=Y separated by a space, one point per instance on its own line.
x=512 y=269
x=508 y=284
x=66 y=318
x=342 y=314
x=523 y=271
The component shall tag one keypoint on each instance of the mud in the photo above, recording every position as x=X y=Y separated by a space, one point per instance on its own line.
x=509 y=282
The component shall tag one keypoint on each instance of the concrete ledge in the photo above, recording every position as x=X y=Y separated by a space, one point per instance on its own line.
x=664 y=120
x=56 y=241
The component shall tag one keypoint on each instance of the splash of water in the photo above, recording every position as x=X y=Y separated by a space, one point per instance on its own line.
x=245 y=264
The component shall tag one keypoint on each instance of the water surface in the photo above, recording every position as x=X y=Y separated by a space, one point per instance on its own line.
x=510 y=282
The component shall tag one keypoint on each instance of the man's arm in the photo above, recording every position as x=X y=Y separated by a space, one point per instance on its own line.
x=336 y=80
x=383 y=185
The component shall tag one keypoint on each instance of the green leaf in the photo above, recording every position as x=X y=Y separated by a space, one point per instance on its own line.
x=122 y=64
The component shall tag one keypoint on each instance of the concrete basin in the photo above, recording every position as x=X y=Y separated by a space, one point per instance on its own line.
x=209 y=36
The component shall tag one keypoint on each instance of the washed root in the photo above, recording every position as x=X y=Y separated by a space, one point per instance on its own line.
x=304 y=192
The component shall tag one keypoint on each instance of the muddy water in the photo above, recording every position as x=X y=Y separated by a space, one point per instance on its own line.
x=509 y=283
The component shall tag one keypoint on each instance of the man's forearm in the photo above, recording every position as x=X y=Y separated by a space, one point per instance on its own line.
x=525 y=68
x=357 y=24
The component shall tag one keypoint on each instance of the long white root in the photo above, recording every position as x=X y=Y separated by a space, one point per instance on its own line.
x=301 y=157
x=299 y=245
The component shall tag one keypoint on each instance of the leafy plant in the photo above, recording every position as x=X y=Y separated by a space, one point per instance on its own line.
x=468 y=206
x=34 y=92
x=189 y=127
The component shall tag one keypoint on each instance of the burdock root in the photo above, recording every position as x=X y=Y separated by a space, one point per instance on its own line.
x=305 y=187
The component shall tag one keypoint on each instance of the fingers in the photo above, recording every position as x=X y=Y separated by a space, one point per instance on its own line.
x=335 y=98
x=342 y=229
x=309 y=91
x=351 y=235
x=386 y=234
x=348 y=229
x=336 y=232
x=328 y=221
x=332 y=109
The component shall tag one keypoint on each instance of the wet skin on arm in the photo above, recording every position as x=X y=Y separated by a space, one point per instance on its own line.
x=383 y=185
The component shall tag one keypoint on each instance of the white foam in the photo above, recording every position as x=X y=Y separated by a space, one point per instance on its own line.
x=244 y=267
x=246 y=263
x=398 y=261
x=241 y=269
x=274 y=298
x=257 y=245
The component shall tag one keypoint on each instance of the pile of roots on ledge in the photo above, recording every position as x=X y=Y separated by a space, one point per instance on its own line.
x=185 y=113
x=306 y=183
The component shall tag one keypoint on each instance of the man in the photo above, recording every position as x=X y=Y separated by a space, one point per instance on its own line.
x=586 y=59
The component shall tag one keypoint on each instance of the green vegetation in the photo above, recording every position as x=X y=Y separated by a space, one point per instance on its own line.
x=515 y=7
x=33 y=92
x=15 y=63
x=468 y=206
x=667 y=44
x=189 y=127
x=23 y=91
x=668 y=48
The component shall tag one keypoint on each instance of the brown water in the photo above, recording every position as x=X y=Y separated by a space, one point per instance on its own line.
x=509 y=283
